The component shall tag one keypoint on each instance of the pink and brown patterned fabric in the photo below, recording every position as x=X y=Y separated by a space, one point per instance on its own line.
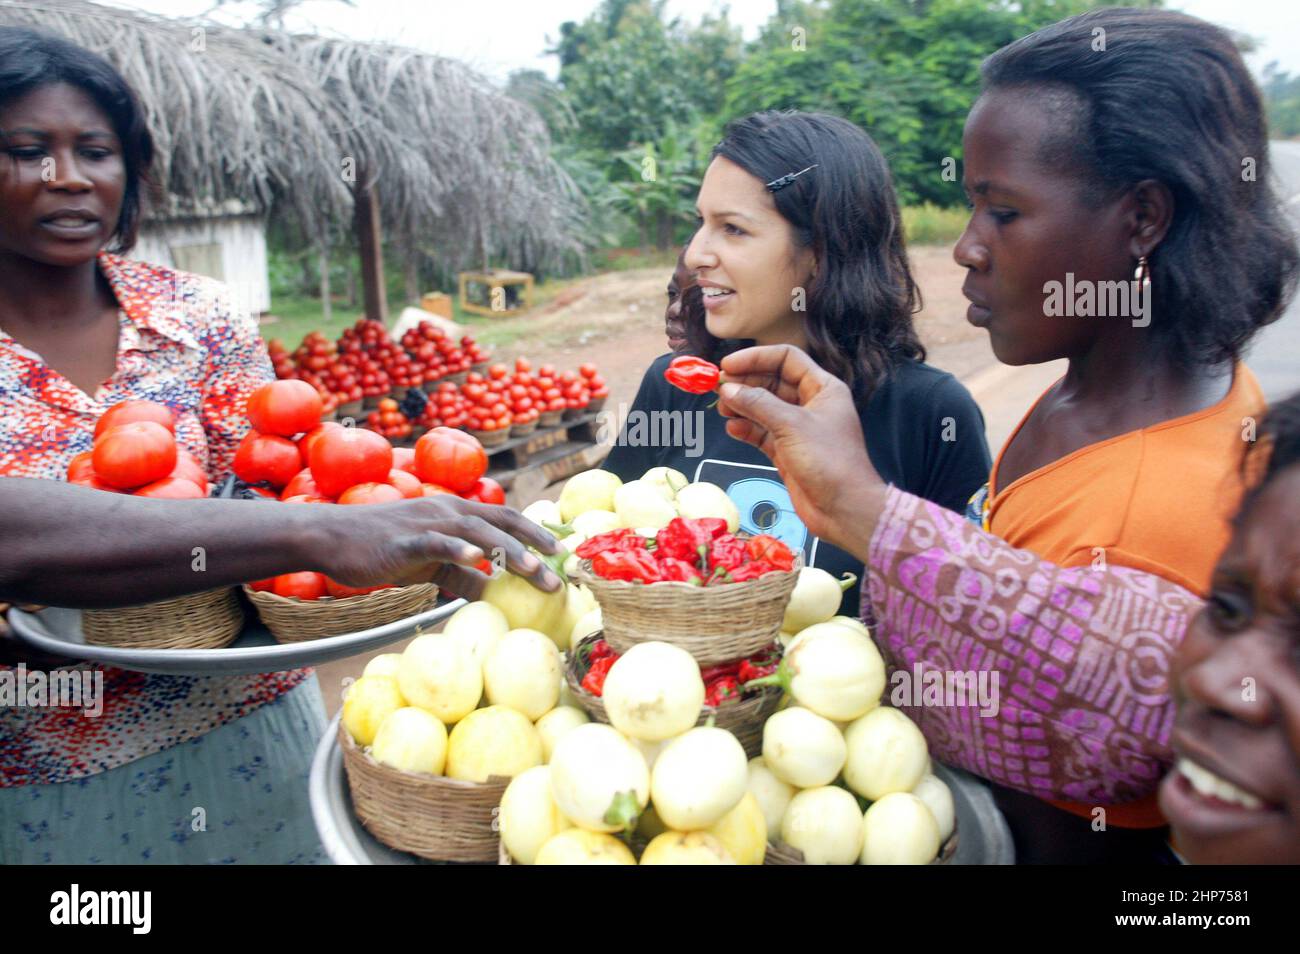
x=1081 y=655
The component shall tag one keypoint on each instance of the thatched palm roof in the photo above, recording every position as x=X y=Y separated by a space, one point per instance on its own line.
x=278 y=119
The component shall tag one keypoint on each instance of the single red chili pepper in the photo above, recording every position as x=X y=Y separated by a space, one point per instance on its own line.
x=599 y=650
x=616 y=540
x=720 y=670
x=722 y=690
x=637 y=566
x=728 y=552
x=756 y=667
x=693 y=375
x=671 y=568
x=750 y=571
x=769 y=548
x=594 y=680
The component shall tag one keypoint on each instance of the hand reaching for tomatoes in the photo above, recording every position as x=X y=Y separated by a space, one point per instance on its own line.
x=439 y=538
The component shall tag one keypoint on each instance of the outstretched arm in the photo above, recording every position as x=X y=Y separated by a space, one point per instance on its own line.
x=73 y=546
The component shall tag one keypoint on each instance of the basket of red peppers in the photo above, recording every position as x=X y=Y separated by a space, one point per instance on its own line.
x=718 y=595
x=725 y=701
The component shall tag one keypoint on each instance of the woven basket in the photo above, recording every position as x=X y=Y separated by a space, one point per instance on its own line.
x=596 y=405
x=522 y=430
x=491 y=438
x=779 y=853
x=742 y=719
x=293 y=621
x=208 y=620
x=715 y=624
x=351 y=409
x=438 y=818
x=550 y=418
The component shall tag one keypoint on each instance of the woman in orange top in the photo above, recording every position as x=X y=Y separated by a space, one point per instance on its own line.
x=1085 y=168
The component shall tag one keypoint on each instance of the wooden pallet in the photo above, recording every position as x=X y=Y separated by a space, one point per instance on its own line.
x=526 y=465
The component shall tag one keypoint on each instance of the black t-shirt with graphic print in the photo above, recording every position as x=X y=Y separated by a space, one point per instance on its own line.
x=924 y=434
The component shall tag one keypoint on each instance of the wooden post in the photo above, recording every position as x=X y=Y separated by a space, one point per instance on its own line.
x=326 y=295
x=412 y=277
x=370 y=245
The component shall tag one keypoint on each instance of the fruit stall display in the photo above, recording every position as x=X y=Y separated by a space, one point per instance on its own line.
x=527 y=416
x=365 y=364
x=597 y=754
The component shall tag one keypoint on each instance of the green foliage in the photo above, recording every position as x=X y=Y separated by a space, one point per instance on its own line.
x=1282 y=99
x=930 y=224
x=907 y=71
x=635 y=85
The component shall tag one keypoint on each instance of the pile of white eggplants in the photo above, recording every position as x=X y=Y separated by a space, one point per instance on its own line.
x=841 y=778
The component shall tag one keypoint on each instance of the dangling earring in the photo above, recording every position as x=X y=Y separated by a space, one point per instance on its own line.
x=1143 y=273
x=1142 y=279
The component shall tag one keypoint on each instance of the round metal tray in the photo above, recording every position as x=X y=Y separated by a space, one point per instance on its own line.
x=56 y=630
x=985 y=838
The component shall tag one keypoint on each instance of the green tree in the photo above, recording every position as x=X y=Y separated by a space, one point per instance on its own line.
x=907 y=71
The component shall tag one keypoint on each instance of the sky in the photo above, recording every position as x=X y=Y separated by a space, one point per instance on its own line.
x=499 y=36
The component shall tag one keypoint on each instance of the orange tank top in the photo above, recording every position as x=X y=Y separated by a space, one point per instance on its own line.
x=1158 y=499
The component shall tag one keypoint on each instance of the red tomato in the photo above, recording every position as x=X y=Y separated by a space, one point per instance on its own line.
x=284 y=408
x=523 y=364
x=341 y=592
x=128 y=412
x=311 y=437
x=131 y=455
x=370 y=493
x=300 y=586
x=172 y=488
x=487 y=490
x=587 y=370
x=349 y=456
x=302 y=483
x=81 y=466
x=407 y=483
x=450 y=458
x=266 y=459
x=498 y=371
x=432 y=490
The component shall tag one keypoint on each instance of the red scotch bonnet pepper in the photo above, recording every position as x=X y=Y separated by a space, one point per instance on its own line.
x=693 y=375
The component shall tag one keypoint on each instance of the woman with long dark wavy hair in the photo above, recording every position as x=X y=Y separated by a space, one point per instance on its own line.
x=800 y=240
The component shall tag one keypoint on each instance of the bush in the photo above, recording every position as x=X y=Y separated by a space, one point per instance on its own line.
x=930 y=224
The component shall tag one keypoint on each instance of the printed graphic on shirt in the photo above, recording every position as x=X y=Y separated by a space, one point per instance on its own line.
x=763 y=502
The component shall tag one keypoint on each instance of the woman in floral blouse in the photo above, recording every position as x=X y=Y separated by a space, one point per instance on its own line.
x=177 y=768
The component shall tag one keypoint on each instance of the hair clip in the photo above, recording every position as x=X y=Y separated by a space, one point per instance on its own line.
x=777 y=184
